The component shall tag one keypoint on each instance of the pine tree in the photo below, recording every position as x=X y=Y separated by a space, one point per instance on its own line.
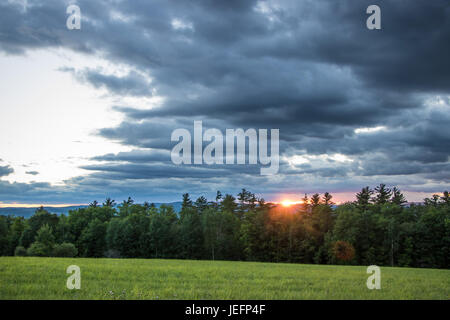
x=382 y=194
x=363 y=198
x=315 y=200
x=187 y=202
x=305 y=204
x=201 y=203
x=229 y=204
x=397 y=197
x=252 y=201
x=218 y=196
x=327 y=199
x=146 y=205
x=261 y=202
x=109 y=203
x=93 y=204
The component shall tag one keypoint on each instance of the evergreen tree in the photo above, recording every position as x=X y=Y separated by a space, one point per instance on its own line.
x=109 y=203
x=315 y=200
x=201 y=203
x=305 y=204
x=129 y=201
x=327 y=199
x=218 y=196
x=187 y=202
x=363 y=198
x=397 y=197
x=382 y=194
x=228 y=204
x=243 y=197
x=93 y=204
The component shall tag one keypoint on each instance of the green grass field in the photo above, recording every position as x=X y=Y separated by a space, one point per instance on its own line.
x=45 y=278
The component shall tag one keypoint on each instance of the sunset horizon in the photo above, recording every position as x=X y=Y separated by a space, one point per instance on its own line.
x=213 y=156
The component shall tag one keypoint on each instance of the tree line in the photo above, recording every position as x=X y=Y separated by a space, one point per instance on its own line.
x=377 y=228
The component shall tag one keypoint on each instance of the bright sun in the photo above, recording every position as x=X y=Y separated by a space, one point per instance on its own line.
x=288 y=203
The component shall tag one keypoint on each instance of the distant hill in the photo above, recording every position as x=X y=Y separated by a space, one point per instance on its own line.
x=28 y=212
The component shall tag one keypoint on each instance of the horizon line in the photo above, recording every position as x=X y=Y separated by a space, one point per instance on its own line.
x=37 y=205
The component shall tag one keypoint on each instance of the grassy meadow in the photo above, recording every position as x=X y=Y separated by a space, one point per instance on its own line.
x=45 y=278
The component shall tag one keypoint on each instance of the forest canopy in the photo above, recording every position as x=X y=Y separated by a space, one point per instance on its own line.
x=379 y=228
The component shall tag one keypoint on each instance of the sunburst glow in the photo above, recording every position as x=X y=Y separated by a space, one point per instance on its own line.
x=288 y=203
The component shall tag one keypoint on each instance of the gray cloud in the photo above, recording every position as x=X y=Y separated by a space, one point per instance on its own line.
x=5 y=170
x=136 y=156
x=310 y=68
x=132 y=84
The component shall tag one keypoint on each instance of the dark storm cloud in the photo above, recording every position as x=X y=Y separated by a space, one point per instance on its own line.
x=146 y=164
x=310 y=68
x=149 y=171
x=409 y=53
x=148 y=134
x=132 y=84
x=136 y=156
x=424 y=141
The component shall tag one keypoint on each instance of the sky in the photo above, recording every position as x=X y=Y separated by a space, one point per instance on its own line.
x=88 y=114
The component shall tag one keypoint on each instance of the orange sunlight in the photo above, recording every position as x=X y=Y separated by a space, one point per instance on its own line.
x=288 y=203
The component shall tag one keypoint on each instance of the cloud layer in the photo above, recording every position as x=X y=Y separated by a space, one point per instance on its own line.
x=310 y=68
